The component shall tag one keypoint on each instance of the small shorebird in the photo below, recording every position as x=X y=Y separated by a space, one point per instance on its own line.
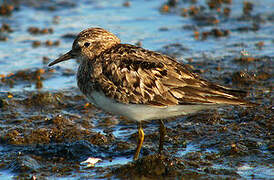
x=140 y=84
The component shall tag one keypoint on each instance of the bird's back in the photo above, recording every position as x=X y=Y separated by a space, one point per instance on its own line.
x=133 y=75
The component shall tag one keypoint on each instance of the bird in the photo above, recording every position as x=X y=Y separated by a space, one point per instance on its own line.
x=141 y=84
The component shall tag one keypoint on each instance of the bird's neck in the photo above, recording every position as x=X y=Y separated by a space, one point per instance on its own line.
x=84 y=75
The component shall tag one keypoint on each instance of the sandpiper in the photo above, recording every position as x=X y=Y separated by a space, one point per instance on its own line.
x=141 y=84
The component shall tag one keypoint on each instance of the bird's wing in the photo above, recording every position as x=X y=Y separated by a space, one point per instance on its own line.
x=131 y=74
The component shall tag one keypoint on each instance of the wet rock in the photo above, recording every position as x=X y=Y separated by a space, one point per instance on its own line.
x=270 y=147
x=193 y=10
x=38 y=136
x=68 y=72
x=152 y=166
x=6 y=9
x=123 y=146
x=217 y=4
x=259 y=45
x=193 y=156
x=25 y=164
x=45 y=60
x=126 y=4
x=33 y=30
x=13 y=136
x=205 y=18
x=42 y=99
x=226 y=11
x=52 y=43
x=236 y=149
x=163 y=29
x=77 y=150
x=165 y=8
x=6 y=28
x=174 y=50
x=184 y=12
x=2 y=103
x=215 y=33
x=27 y=75
x=220 y=33
x=226 y=173
x=36 y=30
x=254 y=27
x=246 y=59
x=247 y=8
x=47 y=43
x=172 y=3
x=262 y=76
x=209 y=117
x=242 y=78
x=214 y=4
x=36 y=43
x=196 y=35
x=3 y=37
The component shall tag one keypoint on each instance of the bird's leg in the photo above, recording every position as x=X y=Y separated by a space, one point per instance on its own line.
x=162 y=131
x=141 y=136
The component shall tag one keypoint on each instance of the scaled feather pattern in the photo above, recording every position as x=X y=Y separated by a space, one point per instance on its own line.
x=131 y=74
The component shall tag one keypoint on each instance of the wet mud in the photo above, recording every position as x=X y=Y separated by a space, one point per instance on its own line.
x=46 y=132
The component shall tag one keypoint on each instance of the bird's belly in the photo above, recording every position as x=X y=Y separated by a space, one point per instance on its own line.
x=140 y=112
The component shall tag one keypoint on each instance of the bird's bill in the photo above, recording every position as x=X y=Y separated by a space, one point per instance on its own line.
x=64 y=57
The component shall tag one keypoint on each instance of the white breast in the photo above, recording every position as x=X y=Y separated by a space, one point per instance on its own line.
x=139 y=112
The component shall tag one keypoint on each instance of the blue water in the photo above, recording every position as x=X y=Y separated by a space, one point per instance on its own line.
x=139 y=22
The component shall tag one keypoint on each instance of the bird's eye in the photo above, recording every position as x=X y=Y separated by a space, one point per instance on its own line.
x=86 y=44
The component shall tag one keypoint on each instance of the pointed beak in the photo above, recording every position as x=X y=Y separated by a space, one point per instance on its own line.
x=64 y=57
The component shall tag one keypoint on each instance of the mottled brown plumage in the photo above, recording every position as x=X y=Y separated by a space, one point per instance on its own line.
x=131 y=74
x=141 y=84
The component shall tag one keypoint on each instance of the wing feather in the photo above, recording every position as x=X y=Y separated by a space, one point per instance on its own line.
x=131 y=74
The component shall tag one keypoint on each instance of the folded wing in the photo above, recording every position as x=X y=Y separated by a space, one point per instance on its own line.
x=131 y=74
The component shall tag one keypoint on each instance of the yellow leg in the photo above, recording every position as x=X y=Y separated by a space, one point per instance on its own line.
x=141 y=136
x=162 y=131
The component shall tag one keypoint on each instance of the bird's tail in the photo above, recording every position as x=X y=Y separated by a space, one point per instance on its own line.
x=234 y=96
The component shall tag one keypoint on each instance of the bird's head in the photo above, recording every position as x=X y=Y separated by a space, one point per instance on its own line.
x=89 y=44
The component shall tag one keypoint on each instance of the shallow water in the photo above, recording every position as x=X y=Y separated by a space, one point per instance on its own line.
x=139 y=22
x=168 y=32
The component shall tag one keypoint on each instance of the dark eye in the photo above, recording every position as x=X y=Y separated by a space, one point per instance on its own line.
x=86 y=44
